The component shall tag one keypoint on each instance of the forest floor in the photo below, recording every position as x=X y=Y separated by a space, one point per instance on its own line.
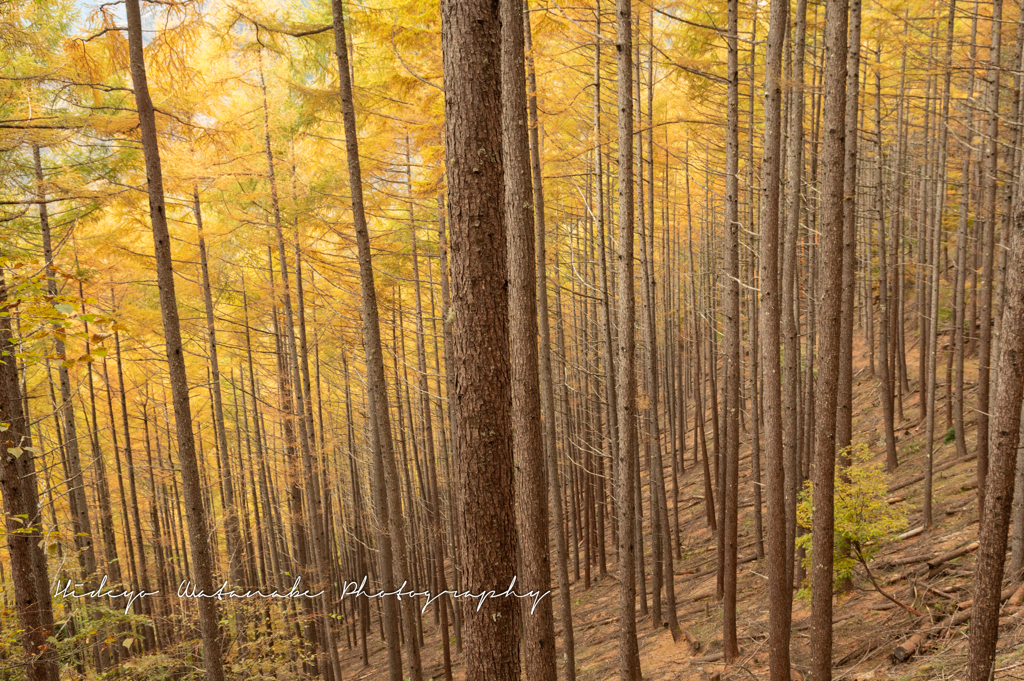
x=867 y=627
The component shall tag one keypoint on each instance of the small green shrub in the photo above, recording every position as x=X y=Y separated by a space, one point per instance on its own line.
x=950 y=435
x=863 y=518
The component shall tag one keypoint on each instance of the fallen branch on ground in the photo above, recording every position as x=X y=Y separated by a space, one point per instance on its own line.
x=860 y=557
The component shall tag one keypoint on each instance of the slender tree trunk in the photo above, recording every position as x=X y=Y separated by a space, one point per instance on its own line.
x=988 y=244
x=434 y=505
x=780 y=608
x=629 y=653
x=77 y=502
x=527 y=438
x=372 y=348
x=790 y=296
x=844 y=413
x=885 y=382
x=933 y=313
x=731 y=285
x=230 y=514
x=193 y=495
x=143 y=573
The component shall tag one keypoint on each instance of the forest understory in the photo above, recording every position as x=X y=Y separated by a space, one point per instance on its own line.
x=931 y=572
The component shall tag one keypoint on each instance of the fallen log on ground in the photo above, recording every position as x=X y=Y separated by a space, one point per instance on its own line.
x=692 y=640
x=911 y=533
x=932 y=566
x=1018 y=596
x=907 y=560
x=1004 y=595
x=912 y=645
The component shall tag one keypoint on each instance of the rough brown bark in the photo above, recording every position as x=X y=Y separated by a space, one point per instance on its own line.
x=22 y=517
x=844 y=404
x=988 y=246
x=790 y=294
x=1006 y=421
x=527 y=439
x=481 y=391
x=829 y=340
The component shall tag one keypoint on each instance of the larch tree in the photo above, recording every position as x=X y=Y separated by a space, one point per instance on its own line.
x=629 y=652
x=1006 y=422
x=731 y=284
x=833 y=151
x=527 y=438
x=481 y=391
x=780 y=612
x=202 y=560
x=377 y=384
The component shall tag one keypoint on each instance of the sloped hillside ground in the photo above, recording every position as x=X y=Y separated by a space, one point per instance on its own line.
x=868 y=628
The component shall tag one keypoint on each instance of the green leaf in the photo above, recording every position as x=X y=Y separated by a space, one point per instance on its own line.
x=65 y=308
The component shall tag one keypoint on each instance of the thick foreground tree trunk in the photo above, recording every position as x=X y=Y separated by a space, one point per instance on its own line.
x=481 y=392
x=829 y=342
x=1006 y=418
x=23 y=520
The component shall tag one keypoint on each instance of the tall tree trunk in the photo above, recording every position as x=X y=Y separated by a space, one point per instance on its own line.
x=698 y=381
x=77 y=502
x=23 y=519
x=1006 y=418
x=547 y=396
x=434 y=506
x=933 y=313
x=230 y=514
x=376 y=382
x=780 y=608
x=629 y=653
x=527 y=438
x=988 y=245
x=885 y=377
x=790 y=295
x=193 y=494
x=829 y=339
x=481 y=391
x=731 y=284
x=143 y=572
x=844 y=405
